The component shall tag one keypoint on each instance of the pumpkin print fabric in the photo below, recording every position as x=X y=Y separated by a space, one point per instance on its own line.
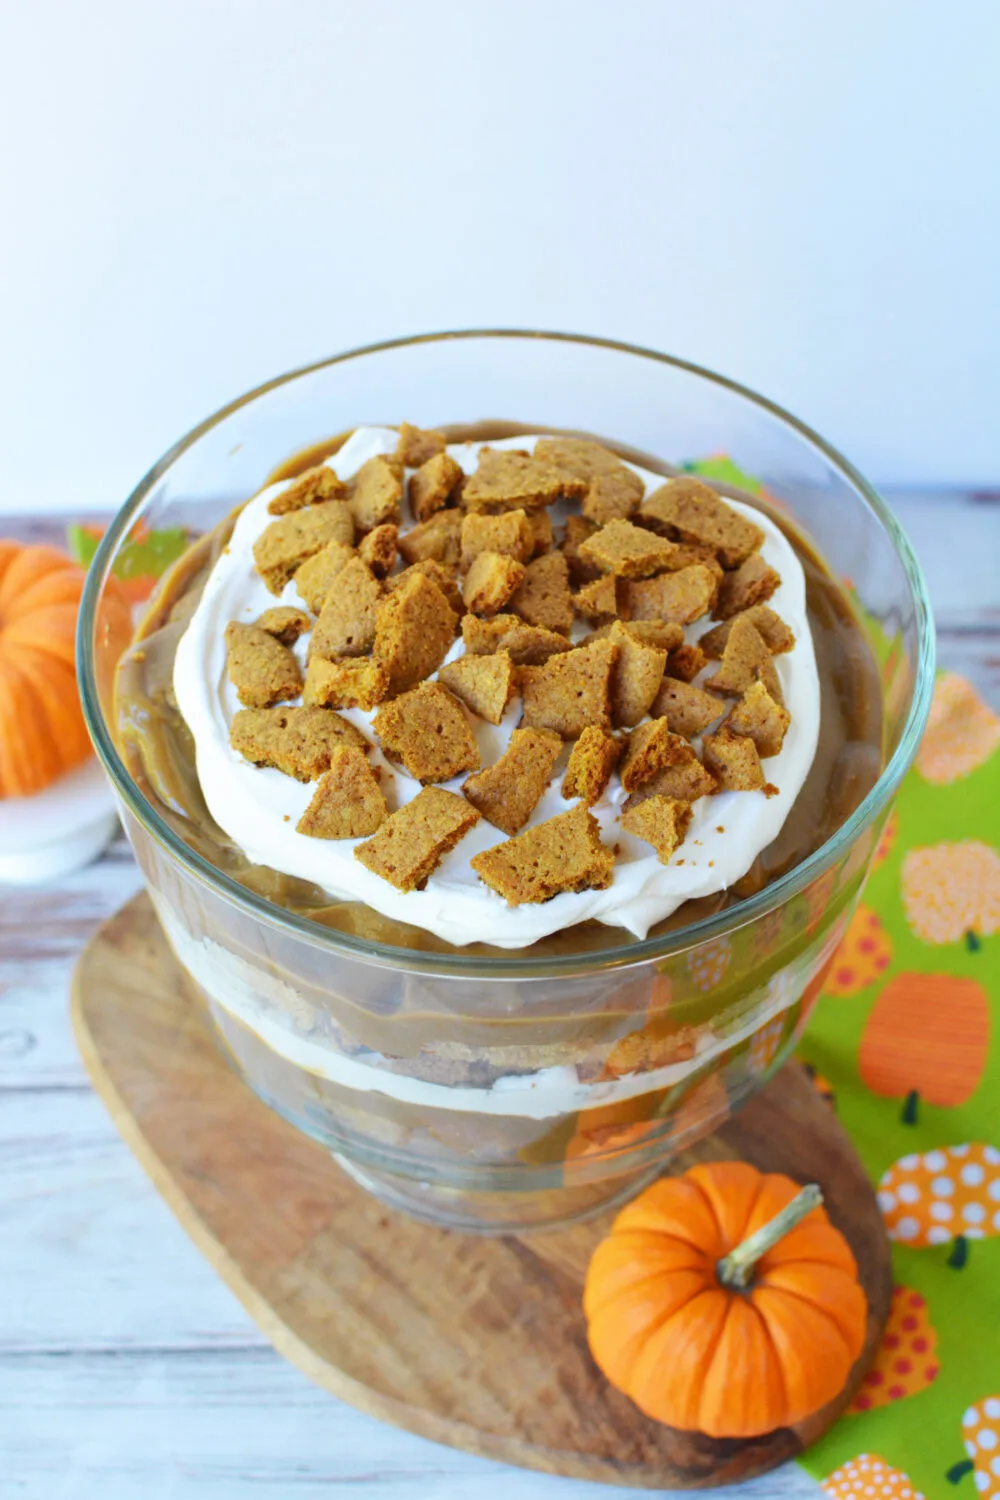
x=911 y=1050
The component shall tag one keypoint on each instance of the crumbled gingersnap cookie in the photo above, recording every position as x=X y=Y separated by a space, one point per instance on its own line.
x=688 y=710
x=686 y=661
x=635 y=677
x=312 y=487
x=260 y=668
x=686 y=554
x=509 y=533
x=651 y=748
x=543 y=597
x=679 y=598
x=745 y=657
x=684 y=782
x=346 y=624
x=508 y=792
x=485 y=684
x=564 y=853
x=412 y=842
x=655 y=1046
x=591 y=762
x=528 y=645
x=777 y=636
x=508 y=480
x=761 y=719
x=290 y=541
x=426 y=730
x=376 y=490
x=614 y=491
x=577 y=531
x=628 y=551
x=735 y=763
x=490 y=582
x=378 y=549
x=348 y=803
x=665 y=636
x=753 y=582
x=691 y=511
x=540 y=524
x=445 y=577
x=570 y=691
x=418 y=445
x=414 y=628
x=660 y=821
x=354 y=682
x=438 y=538
x=285 y=623
x=296 y=741
x=597 y=601
x=434 y=485
x=317 y=575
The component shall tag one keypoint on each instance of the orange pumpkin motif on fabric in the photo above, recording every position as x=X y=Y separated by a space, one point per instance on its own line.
x=725 y=1302
x=887 y=840
x=926 y=1037
x=952 y=891
x=906 y=1360
x=766 y=1044
x=862 y=957
x=707 y=965
x=867 y=1476
x=961 y=734
x=981 y=1438
x=944 y=1196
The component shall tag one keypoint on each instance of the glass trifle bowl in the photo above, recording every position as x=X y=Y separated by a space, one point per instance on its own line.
x=489 y=1088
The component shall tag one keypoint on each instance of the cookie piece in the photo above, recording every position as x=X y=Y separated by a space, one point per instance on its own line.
x=287 y=543
x=660 y=821
x=734 y=762
x=540 y=525
x=597 y=601
x=745 y=658
x=375 y=494
x=753 y=582
x=418 y=445
x=285 y=623
x=570 y=691
x=635 y=677
x=591 y=762
x=445 y=577
x=377 y=550
x=691 y=511
x=651 y=748
x=439 y=538
x=761 y=719
x=508 y=792
x=485 y=684
x=666 y=637
x=316 y=577
x=628 y=551
x=346 y=624
x=312 y=487
x=260 y=668
x=414 y=628
x=679 y=598
x=412 y=842
x=348 y=803
x=688 y=710
x=509 y=533
x=426 y=730
x=434 y=485
x=686 y=661
x=564 y=853
x=543 y=597
x=577 y=531
x=614 y=491
x=296 y=741
x=490 y=582
x=776 y=634
x=684 y=782
x=509 y=480
x=527 y=645
x=358 y=682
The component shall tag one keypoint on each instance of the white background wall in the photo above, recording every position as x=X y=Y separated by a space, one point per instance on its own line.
x=198 y=194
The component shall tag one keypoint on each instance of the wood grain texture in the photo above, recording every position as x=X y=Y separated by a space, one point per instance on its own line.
x=478 y=1343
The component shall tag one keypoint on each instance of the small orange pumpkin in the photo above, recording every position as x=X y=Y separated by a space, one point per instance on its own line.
x=42 y=733
x=725 y=1302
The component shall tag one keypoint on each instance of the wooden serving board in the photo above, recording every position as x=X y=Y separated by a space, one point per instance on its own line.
x=475 y=1342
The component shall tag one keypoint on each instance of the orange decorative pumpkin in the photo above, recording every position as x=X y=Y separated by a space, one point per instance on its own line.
x=927 y=1037
x=725 y=1302
x=42 y=733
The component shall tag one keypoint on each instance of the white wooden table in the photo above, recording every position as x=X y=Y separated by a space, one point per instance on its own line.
x=127 y=1370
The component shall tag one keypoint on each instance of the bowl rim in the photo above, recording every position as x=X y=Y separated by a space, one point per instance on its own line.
x=499 y=967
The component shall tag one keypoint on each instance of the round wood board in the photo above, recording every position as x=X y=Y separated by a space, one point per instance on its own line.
x=475 y=1342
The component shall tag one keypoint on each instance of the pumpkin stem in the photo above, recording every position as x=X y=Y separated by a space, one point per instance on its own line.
x=959 y=1471
x=959 y=1252
x=909 y=1115
x=972 y=941
x=736 y=1269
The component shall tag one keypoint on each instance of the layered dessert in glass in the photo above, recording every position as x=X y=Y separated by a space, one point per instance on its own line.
x=503 y=789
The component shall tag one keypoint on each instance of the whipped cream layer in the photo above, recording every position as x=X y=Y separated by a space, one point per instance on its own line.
x=259 y=807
